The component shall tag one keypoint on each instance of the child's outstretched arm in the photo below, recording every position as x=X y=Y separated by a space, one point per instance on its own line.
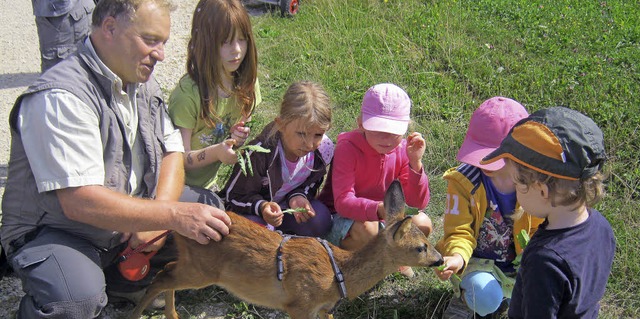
x=459 y=222
x=221 y=152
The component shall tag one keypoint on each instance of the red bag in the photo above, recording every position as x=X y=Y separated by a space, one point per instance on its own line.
x=133 y=265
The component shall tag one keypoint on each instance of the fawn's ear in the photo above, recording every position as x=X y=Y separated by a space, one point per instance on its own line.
x=394 y=202
x=403 y=228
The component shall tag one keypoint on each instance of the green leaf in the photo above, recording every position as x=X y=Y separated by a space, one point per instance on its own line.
x=295 y=210
x=523 y=238
x=255 y=148
x=517 y=260
x=241 y=162
x=245 y=163
x=249 y=166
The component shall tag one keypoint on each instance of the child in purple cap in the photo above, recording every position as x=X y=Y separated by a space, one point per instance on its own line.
x=367 y=160
x=479 y=221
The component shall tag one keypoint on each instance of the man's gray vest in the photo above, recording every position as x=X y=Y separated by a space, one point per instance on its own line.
x=24 y=210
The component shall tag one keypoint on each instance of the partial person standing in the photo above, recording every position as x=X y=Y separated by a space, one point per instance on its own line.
x=61 y=25
x=95 y=166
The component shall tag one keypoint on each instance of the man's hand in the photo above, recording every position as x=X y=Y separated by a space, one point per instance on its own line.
x=200 y=222
x=101 y=207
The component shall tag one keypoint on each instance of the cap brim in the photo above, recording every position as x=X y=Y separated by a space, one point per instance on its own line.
x=472 y=153
x=497 y=155
x=380 y=124
x=507 y=150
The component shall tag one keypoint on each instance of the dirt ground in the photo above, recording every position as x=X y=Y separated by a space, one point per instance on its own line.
x=21 y=65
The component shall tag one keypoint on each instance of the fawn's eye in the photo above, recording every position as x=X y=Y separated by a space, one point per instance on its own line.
x=422 y=248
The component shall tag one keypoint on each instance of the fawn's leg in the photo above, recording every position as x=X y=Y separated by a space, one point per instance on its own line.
x=300 y=312
x=164 y=281
x=323 y=314
x=175 y=276
x=148 y=297
x=170 y=304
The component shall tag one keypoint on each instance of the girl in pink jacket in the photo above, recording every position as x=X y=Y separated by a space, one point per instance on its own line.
x=367 y=160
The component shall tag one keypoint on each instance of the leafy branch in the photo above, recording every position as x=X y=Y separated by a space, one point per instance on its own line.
x=244 y=161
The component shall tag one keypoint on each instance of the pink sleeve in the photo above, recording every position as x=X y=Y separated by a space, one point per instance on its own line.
x=343 y=182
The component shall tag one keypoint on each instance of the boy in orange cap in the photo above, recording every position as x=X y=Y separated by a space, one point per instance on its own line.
x=555 y=157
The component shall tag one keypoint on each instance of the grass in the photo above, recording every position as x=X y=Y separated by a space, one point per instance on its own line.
x=450 y=56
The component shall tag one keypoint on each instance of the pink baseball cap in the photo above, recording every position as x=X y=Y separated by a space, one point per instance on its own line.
x=489 y=125
x=386 y=108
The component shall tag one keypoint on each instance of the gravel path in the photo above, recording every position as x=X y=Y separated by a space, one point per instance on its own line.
x=21 y=65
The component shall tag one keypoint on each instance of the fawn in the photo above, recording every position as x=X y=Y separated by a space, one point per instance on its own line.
x=244 y=263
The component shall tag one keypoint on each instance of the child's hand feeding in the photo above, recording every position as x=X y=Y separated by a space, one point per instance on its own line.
x=451 y=266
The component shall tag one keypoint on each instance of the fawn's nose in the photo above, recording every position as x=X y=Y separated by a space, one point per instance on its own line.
x=438 y=262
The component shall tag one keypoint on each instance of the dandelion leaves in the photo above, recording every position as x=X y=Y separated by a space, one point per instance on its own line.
x=243 y=153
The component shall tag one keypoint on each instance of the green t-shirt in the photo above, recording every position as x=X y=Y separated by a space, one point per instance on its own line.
x=184 y=110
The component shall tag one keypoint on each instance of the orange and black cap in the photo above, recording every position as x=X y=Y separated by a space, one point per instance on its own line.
x=557 y=141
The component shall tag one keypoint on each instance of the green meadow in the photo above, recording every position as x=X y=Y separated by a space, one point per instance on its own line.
x=450 y=56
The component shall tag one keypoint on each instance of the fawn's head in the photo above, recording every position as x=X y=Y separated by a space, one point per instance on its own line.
x=407 y=244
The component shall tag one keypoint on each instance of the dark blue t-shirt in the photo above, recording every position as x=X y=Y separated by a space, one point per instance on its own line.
x=564 y=272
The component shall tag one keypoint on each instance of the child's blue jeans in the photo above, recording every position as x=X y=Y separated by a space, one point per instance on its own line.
x=482 y=292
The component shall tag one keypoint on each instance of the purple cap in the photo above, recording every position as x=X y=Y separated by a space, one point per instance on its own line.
x=489 y=125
